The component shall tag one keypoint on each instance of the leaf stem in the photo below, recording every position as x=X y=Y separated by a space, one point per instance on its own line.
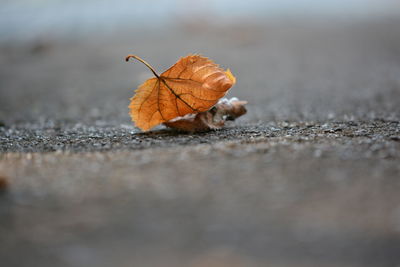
x=144 y=62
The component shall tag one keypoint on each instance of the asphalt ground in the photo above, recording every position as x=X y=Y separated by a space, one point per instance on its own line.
x=309 y=177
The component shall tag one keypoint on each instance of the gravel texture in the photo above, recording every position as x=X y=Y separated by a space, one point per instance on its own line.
x=77 y=138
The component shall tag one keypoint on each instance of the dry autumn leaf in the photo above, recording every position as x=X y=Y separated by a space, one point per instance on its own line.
x=192 y=85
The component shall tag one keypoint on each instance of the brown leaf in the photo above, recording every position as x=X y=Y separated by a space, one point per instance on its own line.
x=194 y=84
x=3 y=183
x=214 y=118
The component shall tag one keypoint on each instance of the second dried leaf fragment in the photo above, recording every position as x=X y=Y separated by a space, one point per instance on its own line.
x=215 y=118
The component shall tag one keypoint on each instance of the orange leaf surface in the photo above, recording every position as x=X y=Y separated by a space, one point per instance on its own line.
x=193 y=84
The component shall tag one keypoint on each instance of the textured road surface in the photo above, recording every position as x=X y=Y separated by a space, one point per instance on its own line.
x=309 y=177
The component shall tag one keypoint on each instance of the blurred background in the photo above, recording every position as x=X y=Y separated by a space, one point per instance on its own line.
x=321 y=59
x=308 y=177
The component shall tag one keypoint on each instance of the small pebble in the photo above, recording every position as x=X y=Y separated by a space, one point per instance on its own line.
x=3 y=183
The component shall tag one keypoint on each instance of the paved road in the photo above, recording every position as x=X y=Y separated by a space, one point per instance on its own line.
x=309 y=177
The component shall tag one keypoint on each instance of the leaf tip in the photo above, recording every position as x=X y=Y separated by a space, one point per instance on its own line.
x=230 y=76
